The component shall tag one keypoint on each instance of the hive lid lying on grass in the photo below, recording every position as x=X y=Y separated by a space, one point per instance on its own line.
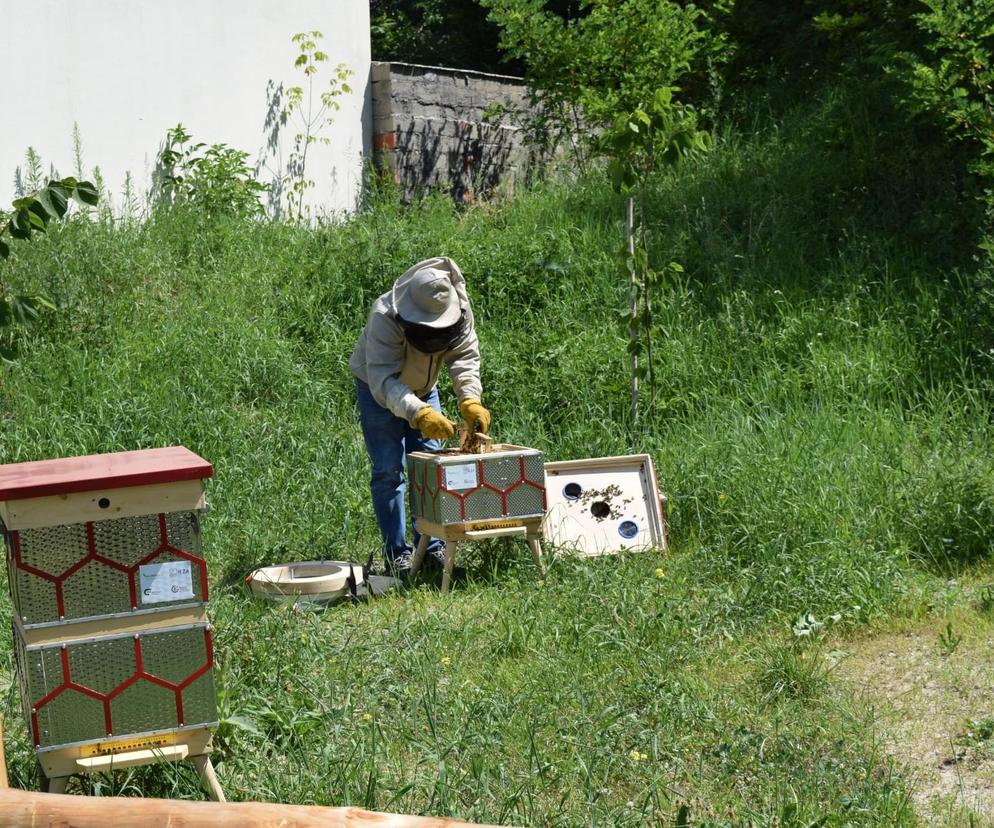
x=318 y=580
x=315 y=582
x=604 y=505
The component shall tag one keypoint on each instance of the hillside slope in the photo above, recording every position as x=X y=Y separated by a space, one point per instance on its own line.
x=821 y=426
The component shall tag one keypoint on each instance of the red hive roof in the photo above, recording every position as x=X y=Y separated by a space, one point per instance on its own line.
x=101 y=471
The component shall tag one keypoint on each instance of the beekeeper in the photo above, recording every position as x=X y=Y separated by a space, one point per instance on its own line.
x=423 y=322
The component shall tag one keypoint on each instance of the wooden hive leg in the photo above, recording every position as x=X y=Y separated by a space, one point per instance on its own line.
x=419 y=554
x=55 y=784
x=58 y=784
x=535 y=544
x=205 y=768
x=450 y=562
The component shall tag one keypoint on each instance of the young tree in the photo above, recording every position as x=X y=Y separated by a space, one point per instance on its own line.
x=640 y=143
x=608 y=57
x=311 y=109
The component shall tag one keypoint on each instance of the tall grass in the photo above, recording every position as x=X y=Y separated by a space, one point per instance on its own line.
x=820 y=427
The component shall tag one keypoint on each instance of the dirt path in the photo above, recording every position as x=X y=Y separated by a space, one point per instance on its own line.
x=936 y=711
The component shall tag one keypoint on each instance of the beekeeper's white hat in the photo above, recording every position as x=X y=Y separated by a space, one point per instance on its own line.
x=426 y=295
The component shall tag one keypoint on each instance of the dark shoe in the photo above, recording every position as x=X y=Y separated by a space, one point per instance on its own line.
x=399 y=564
x=435 y=557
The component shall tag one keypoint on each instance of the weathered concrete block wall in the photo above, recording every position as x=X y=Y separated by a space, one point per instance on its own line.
x=450 y=129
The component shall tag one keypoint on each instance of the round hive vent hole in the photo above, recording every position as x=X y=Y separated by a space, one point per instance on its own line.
x=571 y=491
x=600 y=510
x=104 y=502
x=628 y=529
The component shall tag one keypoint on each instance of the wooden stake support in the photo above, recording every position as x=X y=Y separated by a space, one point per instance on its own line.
x=454 y=534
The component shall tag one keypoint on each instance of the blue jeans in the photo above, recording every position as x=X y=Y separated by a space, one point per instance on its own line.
x=388 y=440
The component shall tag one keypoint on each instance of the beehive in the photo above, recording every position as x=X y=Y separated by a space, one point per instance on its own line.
x=109 y=588
x=450 y=487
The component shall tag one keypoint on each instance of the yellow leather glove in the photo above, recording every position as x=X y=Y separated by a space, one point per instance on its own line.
x=433 y=425
x=473 y=412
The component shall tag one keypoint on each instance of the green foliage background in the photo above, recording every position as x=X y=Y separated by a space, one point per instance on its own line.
x=823 y=435
x=822 y=429
x=587 y=61
x=452 y=33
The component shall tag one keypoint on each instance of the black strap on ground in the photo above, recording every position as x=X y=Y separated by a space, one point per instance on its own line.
x=351 y=583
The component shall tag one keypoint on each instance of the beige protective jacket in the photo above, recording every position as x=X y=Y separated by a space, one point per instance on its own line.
x=399 y=375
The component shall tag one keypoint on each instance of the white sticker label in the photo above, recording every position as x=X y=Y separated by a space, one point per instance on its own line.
x=171 y=581
x=462 y=476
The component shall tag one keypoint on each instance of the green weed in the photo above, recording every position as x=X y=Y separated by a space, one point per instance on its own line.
x=795 y=670
x=949 y=640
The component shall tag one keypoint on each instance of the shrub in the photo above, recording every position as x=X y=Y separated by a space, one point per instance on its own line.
x=214 y=180
x=952 y=78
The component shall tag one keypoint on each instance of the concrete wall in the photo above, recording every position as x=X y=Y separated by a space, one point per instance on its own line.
x=450 y=129
x=126 y=71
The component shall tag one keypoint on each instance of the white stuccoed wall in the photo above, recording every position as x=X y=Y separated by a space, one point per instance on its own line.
x=126 y=71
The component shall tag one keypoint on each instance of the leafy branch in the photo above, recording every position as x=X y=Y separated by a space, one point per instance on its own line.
x=31 y=215
x=952 y=77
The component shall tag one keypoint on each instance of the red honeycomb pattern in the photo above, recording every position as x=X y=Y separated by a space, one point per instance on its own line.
x=423 y=490
x=92 y=555
x=139 y=675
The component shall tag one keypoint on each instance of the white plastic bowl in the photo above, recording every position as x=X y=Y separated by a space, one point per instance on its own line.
x=322 y=581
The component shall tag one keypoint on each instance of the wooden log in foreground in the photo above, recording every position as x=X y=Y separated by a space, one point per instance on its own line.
x=27 y=809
